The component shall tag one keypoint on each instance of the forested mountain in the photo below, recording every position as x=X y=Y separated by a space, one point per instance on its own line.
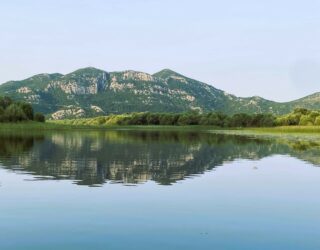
x=91 y=92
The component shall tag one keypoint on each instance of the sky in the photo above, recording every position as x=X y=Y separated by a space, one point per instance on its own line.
x=247 y=48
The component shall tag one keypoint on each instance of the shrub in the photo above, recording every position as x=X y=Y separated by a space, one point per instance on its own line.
x=38 y=117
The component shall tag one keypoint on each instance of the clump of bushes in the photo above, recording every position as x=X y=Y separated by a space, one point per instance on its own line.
x=301 y=117
x=11 y=111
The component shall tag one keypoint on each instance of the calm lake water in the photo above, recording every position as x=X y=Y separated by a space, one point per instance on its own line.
x=158 y=190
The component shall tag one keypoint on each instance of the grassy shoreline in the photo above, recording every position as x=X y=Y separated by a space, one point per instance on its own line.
x=285 y=129
x=32 y=126
x=27 y=126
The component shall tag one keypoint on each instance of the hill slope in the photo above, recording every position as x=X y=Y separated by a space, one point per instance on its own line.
x=90 y=92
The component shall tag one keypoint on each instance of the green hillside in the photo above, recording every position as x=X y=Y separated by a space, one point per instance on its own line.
x=90 y=92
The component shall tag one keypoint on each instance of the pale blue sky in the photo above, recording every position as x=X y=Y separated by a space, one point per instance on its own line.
x=268 y=48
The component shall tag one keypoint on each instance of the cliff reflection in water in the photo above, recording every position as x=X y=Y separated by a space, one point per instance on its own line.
x=131 y=157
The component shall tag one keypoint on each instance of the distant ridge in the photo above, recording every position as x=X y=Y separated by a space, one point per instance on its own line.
x=90 y=92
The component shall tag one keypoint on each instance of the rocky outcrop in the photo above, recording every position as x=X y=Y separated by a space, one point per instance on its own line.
x=67 y=112
x=80 y=85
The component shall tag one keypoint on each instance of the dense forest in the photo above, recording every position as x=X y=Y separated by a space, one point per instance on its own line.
x=11 y=111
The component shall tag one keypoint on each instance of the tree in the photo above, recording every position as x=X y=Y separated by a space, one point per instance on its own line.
x=27 y=109
x=153 y=119
x=14 y=113
x=240 y=120
x=169 y=119
x=189 y=119
x=294 y=119
x=305 y=120
x=11 y=111
x=38 y=117
x=5 y=102
x=302 y=111
x=317 y=121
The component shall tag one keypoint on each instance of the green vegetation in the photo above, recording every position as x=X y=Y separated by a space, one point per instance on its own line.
x=284 y=129
x=180 y=119
x=95 y=92
x=301 y=117
x=300 y=120
x=11 y=111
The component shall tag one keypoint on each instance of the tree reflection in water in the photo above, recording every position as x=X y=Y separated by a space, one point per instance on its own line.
x=132 y=157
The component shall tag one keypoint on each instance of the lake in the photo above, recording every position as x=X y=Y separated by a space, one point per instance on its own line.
x=158 y=190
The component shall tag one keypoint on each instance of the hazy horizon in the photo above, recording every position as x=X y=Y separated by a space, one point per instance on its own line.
x=245 y=48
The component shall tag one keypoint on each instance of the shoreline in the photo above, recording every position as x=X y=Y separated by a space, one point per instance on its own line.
x=238 y=130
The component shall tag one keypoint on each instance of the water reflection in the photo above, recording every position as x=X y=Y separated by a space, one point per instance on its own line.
x=131 y=157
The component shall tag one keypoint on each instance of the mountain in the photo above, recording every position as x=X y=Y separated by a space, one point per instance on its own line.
x=90 y=92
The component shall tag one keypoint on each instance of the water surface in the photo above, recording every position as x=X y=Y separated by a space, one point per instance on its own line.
x=158 y=190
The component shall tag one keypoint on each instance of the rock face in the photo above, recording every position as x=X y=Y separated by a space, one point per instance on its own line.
x=68 y=112
x=81 y=82
x=90 y=92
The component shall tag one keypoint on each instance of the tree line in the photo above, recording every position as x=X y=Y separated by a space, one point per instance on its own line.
x=180 y=119
x=192 y=118
x=11 y=111
x=299 y=116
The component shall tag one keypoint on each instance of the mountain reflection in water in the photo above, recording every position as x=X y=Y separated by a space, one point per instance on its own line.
x=132 y=157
